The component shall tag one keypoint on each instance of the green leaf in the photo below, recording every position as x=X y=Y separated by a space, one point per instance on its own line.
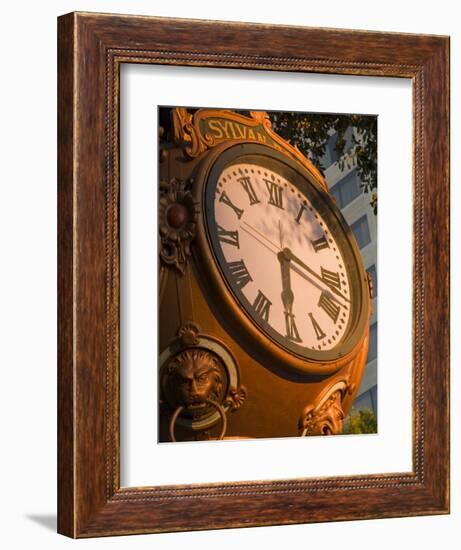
x=361 y=422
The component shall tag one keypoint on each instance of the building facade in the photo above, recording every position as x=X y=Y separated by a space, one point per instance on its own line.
x=345 y=185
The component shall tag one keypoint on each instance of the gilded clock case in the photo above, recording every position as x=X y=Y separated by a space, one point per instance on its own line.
x=234 y=311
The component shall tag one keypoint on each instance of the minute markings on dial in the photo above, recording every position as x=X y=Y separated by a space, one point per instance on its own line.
x=249 y=235
x=331 y=278
x=317 y=328
x=320 y=244
x=262 y=239
x=300 y=213
x=328 y=305
x=332 y=287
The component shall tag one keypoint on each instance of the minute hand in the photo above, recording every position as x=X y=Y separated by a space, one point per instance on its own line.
x=296 y=260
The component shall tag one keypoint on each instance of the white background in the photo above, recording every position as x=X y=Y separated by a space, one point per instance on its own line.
x=143 y=87
x=28 y=275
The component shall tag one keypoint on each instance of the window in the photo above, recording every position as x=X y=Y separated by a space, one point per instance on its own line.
x=361 y=231
x=347 y=189
x=331 y=155
x=373 y=343
x=374 y=279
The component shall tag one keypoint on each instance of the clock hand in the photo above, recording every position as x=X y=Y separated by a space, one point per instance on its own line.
x=296 y=260
x=287 y=293
x=260 y=241
x=264 y=241
x=288 y=297
x=261 y=235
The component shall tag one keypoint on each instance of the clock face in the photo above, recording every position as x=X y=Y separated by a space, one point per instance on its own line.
x=284 y=254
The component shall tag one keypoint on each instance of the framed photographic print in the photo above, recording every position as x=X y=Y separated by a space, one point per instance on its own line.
x=283 y=271
x=253 y=275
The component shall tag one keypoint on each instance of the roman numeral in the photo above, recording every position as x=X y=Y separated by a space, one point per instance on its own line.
x=239 y=273
x=275 y=194
x=226 y=200
x=300 y=213
x=246 y=184
x=331 y=279
x=229 y=237
x=328 y=305
x=292 y=331
x=262 y=306
x=318 y=331
x=320 y=244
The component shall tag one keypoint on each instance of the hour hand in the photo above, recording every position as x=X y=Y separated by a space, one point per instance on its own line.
x=288 y=297
x=287 y=293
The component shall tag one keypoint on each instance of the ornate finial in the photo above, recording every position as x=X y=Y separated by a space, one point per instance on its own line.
x=187 y=334
x=236 y=398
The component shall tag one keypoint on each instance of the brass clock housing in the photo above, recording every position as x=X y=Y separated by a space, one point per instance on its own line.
x=260 y=338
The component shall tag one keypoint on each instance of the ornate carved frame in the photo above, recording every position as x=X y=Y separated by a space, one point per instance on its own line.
x=91 y=49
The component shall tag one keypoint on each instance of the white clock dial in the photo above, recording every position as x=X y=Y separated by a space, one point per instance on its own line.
x=280 y=257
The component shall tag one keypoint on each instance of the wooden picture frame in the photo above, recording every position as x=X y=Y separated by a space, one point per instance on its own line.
x=92 y=48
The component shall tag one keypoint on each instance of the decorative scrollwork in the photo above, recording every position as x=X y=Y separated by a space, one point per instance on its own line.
x=325 y=416
x=177 y=222
x=328 y=420
x=186 y=133
x=206 y=128
x=236 y=398
x=188 y=334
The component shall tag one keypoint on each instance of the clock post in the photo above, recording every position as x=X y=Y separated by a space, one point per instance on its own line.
x=264 y=302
